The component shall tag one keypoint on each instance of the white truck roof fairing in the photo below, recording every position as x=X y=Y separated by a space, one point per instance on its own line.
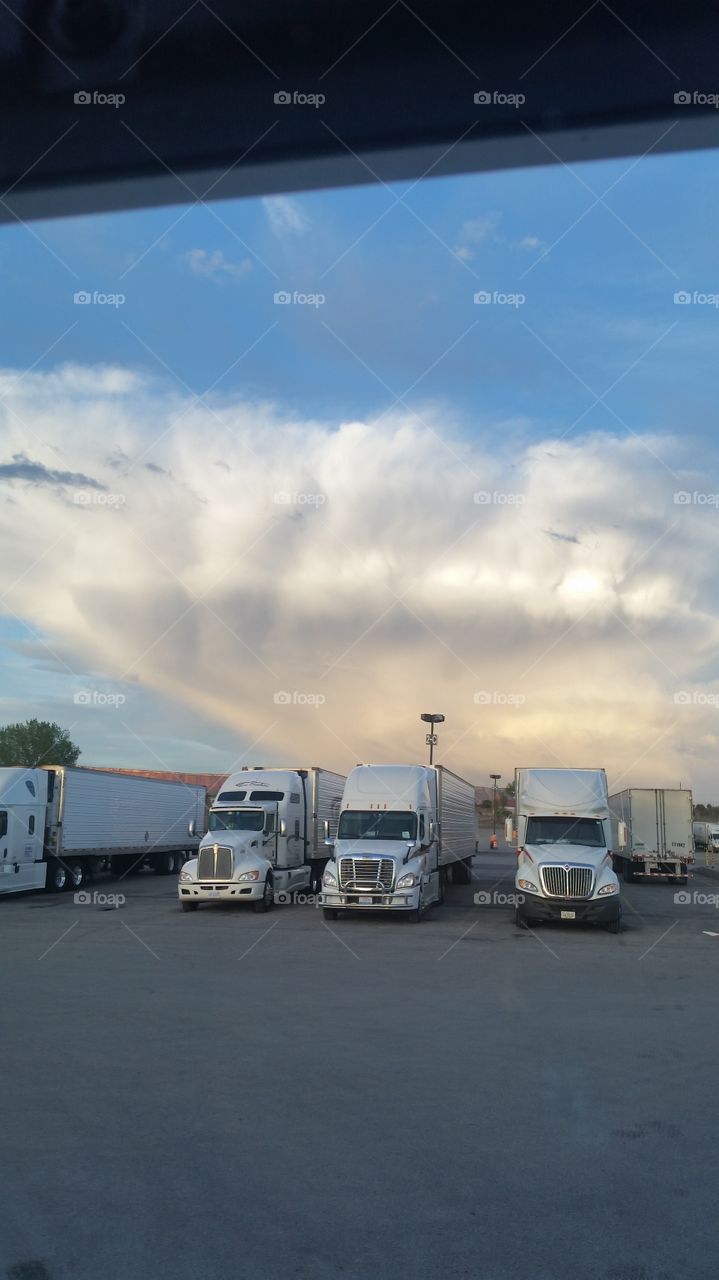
x=388 y=786
x=22 y=786
x=581 y=792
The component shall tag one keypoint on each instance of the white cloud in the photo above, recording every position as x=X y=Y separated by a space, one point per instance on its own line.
x=286 y=216
x=473 y=233
x=379 y=578
x=531 y=243
x=215 y=266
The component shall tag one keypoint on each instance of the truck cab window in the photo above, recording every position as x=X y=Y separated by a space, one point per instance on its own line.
x=31 y=824
x=421 y=826
x=3 y=823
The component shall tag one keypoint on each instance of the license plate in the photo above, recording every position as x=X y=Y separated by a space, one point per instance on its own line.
x=365 y=902
x=568 y=915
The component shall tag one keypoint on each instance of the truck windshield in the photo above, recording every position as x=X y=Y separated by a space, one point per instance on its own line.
x=565 y=831
x=377 y=826
x=236 y=819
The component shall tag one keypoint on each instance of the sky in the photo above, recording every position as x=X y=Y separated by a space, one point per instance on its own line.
x=468 y=467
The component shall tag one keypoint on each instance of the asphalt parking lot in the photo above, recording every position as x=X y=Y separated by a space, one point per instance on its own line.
x=225 y=1094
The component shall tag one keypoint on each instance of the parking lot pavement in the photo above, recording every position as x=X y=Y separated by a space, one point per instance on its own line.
x=227 y=1094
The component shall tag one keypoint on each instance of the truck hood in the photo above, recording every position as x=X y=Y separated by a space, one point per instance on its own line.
x=587 y=855
x=246 y=845
x=374 y=849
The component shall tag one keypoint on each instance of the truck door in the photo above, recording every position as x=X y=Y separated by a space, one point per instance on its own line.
x=21 y=839
x=270 y=833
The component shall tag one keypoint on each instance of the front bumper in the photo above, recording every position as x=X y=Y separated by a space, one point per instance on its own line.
x=586 y=911
x=227 y=891
x=397 y=900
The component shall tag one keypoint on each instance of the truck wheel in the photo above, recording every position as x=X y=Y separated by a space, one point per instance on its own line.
x=417 y=914
x=76 y=875
x=520 y=920
x=164 y=864
x=268 y=897
x=442 y=886
x=629 y=876
x=56 y=876
x=329 y=914
x=615 y=925
x=189 y=906
x=680 y=879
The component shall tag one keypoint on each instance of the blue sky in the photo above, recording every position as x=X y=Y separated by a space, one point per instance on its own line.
x=580 y=587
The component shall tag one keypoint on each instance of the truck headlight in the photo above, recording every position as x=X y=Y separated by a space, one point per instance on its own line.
x=186 y=877
x=527 y=884
x=329 y=879
x=249 y=875
x=408 y=881
x=608 y=888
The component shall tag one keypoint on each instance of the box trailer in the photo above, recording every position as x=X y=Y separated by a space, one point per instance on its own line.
x=660 y=840
x=266 y=838
x=59 y=826
x=404 y=831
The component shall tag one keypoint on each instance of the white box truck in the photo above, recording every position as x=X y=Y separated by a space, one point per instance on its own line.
x=266 y=838
x=58 y=826
x=706 y=838
x=660 y=840
x=564 y=848
x=403 y=829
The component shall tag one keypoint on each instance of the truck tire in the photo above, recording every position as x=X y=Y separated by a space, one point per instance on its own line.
x=615 y=925
x=628 y=870
x=461 y=873
x=189 y=906
x=76 y=875
x=328 y=913
x=520 y=920
x=266 y=902
x=417 y=914
x=56 y=876
x=164 y=864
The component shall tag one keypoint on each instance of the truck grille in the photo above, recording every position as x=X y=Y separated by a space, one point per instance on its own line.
x=567 y=882
x=214 y=863
x=368 y=874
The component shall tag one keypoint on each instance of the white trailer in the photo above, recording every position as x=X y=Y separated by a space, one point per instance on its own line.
x=660 y=840
x=265 y=841
x=564 y=848
x=403 y=831
x=59 y=826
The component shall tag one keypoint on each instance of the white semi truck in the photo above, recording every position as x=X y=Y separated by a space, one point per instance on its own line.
x=564 y=848
x=265 y=839
x=660 y=840
x=58 y=826
x=403 y=830
x=706 y=838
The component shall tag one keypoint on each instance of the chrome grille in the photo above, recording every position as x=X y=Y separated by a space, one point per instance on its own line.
x=566 y=881
x=373 y=875
x=214 y=863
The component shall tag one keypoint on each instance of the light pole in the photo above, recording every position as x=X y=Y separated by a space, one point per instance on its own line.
x=495 y=779
x=431 y=718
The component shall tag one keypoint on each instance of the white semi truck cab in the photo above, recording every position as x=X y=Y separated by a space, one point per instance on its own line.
x=265 y=838
x=564 y=848
x=402 y=829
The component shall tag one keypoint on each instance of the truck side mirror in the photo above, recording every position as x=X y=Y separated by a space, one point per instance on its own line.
x=191 y=828
x=326 y=825
x=433 y=832
x=622 y=835
x=283 y=827
x=508 y=830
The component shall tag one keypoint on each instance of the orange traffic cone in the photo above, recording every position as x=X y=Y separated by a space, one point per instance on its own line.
x=493 y=842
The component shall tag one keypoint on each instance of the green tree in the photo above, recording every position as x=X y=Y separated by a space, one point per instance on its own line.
x=36 y=742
